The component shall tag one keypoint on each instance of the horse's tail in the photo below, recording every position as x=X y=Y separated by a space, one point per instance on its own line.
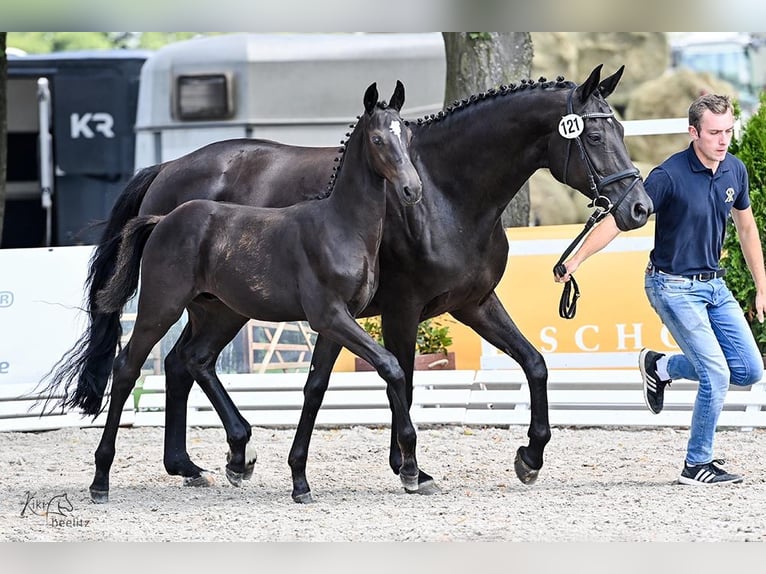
x=124 y=281
x=89 y=361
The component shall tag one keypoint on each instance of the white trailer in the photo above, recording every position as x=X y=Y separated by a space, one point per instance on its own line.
x=302 y=89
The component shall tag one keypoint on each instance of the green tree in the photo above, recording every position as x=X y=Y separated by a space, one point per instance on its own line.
x=45 y=42
x=477 y=61
x=750 y=147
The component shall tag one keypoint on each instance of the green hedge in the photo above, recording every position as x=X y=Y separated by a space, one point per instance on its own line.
x=750 y=147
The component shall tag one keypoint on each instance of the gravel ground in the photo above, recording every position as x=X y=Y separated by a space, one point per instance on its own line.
x=597 y=485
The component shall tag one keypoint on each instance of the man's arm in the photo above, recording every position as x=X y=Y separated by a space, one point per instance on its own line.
x=599 y=237
x=747 y=232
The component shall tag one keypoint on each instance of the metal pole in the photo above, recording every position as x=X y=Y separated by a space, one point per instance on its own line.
x=46 y=156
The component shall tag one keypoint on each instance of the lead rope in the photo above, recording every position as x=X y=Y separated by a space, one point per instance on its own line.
x=571 y=292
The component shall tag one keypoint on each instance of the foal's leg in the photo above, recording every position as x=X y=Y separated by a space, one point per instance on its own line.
x=491 y=321
x=322 y=360
x=335 y=322
x=127 y=369
x=211 y=326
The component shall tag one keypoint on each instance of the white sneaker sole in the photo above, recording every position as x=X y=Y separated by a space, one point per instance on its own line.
x=692 y=482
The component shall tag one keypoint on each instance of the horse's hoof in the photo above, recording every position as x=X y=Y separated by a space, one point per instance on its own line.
x=304 y=498
x=203 y=479
x=251 y=457
x=235 y=478
x=410 y=483
x=99 y=496
x=526 y=473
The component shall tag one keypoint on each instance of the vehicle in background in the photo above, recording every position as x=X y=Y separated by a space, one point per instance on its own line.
x=736 y=57
x=81 y=123
x=70 y=142
x=300 y=89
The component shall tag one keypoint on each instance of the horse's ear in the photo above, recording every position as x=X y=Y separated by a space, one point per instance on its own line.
x=590 y=85
x=608 y=85
x=397 y=99
x=370 y=98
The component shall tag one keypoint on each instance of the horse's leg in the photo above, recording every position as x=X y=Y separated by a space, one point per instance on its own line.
x=211 y=326
x=178 y=383
x=322 y=360
x=335 y=322
x=400 y=332
x=492 y=322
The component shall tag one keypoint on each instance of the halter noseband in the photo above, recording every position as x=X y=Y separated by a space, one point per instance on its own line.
x=601 y=203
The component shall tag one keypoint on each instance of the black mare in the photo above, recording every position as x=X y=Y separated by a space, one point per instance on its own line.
x=315 y=261
x=446 y=254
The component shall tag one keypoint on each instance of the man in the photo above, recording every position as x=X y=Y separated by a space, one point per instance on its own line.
x=694 y=191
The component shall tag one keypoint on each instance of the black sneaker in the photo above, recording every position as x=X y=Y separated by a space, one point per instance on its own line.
x=654 y=387
x=704 y=474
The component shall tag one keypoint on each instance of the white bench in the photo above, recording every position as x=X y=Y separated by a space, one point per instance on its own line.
x=592 y=397
x=22 y=410
x=439 y=397
x=576 y=397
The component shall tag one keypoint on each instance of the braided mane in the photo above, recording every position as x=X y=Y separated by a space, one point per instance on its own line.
x=457 y=106
x=503 y=90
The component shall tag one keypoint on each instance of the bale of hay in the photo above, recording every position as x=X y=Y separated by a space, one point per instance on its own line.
x=667 y=96
x=573 y=55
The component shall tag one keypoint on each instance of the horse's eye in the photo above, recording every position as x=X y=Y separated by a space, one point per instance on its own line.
x=377 y=140
x=594 y=137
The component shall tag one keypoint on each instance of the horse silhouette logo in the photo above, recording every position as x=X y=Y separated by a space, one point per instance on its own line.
x=56 y=506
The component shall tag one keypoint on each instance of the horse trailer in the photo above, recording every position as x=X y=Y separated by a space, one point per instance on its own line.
x=300 y=89
x=82 y=123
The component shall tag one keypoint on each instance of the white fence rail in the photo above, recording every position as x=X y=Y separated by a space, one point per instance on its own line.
x=576 y=397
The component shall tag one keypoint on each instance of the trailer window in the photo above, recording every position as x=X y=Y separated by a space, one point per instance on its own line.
x=203 y=97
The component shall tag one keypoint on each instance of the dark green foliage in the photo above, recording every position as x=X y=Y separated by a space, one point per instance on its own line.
x=432 y=337
x=750 y=147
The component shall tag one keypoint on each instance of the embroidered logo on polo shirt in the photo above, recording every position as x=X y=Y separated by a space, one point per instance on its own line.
x=729 y=195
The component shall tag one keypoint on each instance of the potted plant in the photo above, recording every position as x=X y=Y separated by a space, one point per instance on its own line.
x=750 y=147
x=431 y=345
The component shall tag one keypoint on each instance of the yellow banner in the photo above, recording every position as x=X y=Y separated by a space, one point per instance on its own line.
x=614 y=319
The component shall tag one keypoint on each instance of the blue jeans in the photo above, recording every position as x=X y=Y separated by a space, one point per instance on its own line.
x=718 y=348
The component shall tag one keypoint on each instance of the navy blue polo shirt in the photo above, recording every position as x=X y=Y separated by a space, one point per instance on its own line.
x=692 y=206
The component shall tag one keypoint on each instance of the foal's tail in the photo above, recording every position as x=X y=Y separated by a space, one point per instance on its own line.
x=89 y=361
x=124 y=281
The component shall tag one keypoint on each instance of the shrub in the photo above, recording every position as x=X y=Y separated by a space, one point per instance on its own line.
x=750 y=147
x=432 y=337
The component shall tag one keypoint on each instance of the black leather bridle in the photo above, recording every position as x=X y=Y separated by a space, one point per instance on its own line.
x=601 y=203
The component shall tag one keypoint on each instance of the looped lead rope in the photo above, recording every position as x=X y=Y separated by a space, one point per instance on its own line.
x=568 y=301
x=571 y=292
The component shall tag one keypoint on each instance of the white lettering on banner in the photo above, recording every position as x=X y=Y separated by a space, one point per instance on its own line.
x=589 y=338
x=548 y=338
x=580 y=340
x=80 y=125
x=622 y=336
